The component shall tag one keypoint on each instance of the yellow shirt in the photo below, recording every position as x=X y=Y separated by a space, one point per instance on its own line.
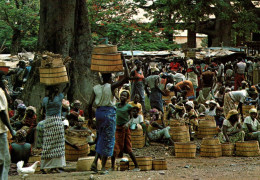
x=137 y=105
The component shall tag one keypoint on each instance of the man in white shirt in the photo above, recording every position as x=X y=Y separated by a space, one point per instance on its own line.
x=211 y=111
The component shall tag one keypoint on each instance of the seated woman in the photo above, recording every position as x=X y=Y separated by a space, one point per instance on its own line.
x=29 y=123
x=251 y=126
x=231 y=129
x=21 y=108
x=75 y=106
x=20 y=150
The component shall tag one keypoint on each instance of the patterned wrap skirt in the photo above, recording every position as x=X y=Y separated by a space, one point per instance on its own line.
x=229 y=104
x=53 y=138
x=106 y=127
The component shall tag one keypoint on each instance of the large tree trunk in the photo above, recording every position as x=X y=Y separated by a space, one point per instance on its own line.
x=191 y=39
x=64 y=29
x=16 y=41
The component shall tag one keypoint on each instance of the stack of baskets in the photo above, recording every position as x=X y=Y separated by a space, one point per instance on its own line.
x=210 y=147
x=180 y=133
x=52 y=70
x=106 y=59
x=78 y=138
x=137 y=138
x=207 y=127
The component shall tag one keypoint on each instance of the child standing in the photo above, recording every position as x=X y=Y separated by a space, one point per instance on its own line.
x=123 y=135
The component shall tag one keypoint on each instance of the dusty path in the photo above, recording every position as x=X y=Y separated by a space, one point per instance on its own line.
x=200 y=168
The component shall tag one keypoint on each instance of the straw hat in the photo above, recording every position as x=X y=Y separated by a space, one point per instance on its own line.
x=231 y=113
x=253 y=110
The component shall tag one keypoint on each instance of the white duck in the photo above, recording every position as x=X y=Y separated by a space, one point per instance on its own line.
x=26 y=170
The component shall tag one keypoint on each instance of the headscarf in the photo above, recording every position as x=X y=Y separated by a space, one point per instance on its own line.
x=21 y=135
x=21 y=106
x=190 y=103
x=31 y=108
x=76 y=102
x=231 y=113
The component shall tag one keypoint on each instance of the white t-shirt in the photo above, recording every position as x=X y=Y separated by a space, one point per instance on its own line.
x=239 y=96
x=104 y=95
x=241 y=67
x=255 y=124
x=178 y=77
x=138 y=120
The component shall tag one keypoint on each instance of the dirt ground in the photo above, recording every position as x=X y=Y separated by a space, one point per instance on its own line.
x=199 y=168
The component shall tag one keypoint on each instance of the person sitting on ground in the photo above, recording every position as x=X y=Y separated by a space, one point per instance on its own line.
x=137 y=119
x=123 y=136
x=135 y=103
x=179 y=112
x=13 y=112
x=21 y=108
x=191 y=117
x=244 y=85
x=78 y=125
x=251 y=126
x=199 y=107
x=20 y=150
x=211 y=111
x=219 y=118
x=29 y=123
x=73 y=117
x=232 y=129
x=76 y=105
x=171 y=107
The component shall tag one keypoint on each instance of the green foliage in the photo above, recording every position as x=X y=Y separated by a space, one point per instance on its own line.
x=19 y=21
x=114 y=19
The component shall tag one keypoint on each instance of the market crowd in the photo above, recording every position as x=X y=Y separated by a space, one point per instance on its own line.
x=147 y=95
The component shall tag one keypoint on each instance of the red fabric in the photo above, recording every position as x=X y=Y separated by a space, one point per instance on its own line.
x=11 y=113
x=238 y=79
x=81 y=112
x=140 y=76
x=123 y=141
x=30 y=122
x=174 y=66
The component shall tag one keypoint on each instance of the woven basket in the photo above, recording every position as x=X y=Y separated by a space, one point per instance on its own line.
x=185 y=150
x=159 y=164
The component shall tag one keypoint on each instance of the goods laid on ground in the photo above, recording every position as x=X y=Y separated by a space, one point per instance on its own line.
x=159 y=164
x=52 y=70
x=247 y=148
x=228 y=149
x=84 y=163
x=246 y=108
x=210 y=147
x=106 y=59
x=180 y=134
x=137 y=138
x=145 y=163
x=73 y=154
x=207 y=127
x=185 y=150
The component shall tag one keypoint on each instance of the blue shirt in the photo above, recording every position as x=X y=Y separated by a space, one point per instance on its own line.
x=53 y=108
